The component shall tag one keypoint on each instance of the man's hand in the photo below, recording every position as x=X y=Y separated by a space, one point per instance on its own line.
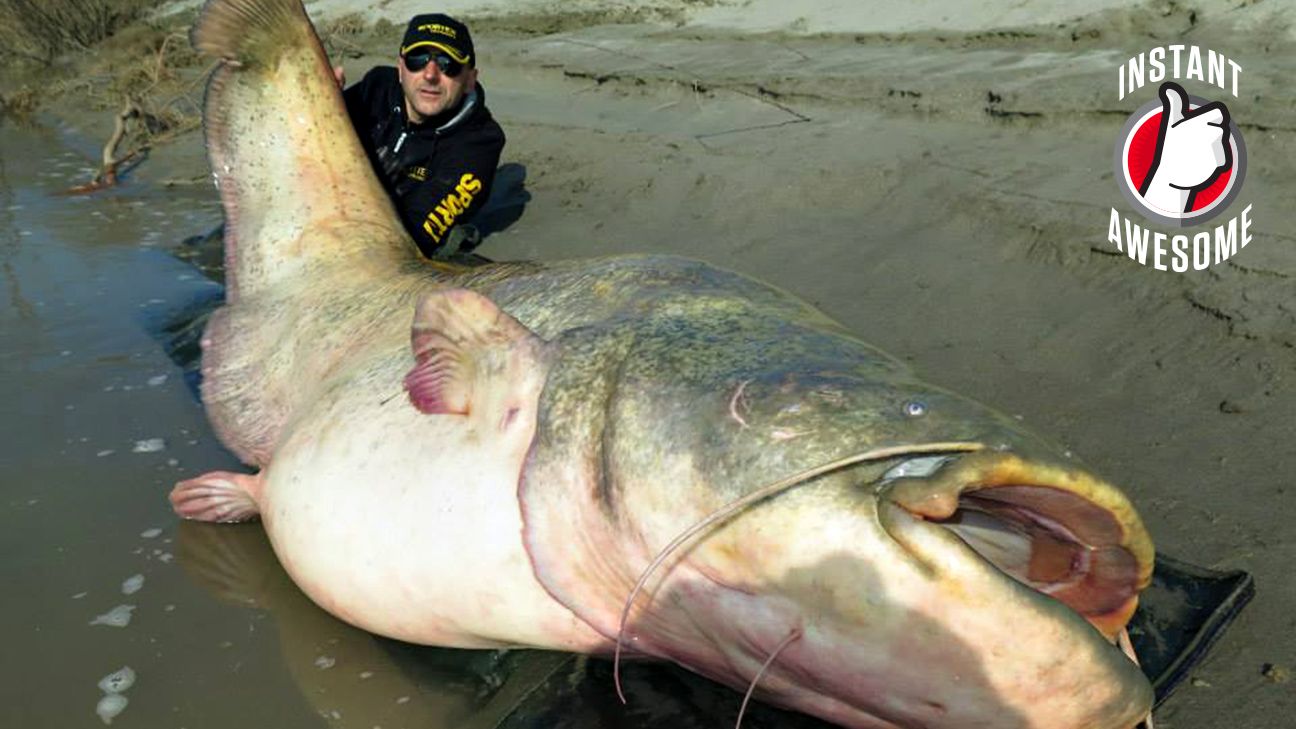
x=340 y=75
x=1191 y=150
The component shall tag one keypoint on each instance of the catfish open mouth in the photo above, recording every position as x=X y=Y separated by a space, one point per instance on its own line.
x=1059 y=531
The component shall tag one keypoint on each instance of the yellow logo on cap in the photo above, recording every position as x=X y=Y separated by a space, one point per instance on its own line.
x=438 y=28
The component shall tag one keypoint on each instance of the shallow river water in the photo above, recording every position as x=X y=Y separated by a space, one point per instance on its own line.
x=99 y=423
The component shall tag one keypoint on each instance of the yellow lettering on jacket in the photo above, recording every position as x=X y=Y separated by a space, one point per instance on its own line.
x=434 y=222
x=436 y=233
x=468 y=185
x=452 y=206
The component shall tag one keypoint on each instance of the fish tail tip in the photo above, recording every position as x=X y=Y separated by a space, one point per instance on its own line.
x=245 y=31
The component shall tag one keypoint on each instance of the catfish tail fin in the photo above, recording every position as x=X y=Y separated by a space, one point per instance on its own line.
x=247 y=32
x=300 y=196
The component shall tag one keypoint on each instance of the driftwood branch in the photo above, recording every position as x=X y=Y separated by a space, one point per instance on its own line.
x=159 y=66
x=111 y=163
x=131 y=111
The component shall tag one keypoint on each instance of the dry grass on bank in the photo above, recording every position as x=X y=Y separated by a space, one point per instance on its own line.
x=353 y=35
x=133 y=69
x=41 y=30
x=100 y=56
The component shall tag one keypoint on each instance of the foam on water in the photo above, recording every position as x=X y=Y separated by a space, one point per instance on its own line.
x=132 y=584
x=118 y=617
x=110 y=706
x=118 y=681
x=149 y=445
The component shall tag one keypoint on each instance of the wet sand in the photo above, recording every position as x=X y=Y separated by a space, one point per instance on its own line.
x=941 y=189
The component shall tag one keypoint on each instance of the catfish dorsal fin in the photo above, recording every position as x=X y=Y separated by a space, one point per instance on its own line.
x=472 y=358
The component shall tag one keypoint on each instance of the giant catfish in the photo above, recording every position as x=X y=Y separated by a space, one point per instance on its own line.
x=496 y=456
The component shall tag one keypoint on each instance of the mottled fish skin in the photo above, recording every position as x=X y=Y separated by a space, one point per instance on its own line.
x=640 y=395
x=697 y=386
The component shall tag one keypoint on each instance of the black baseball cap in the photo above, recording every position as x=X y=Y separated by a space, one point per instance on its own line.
x=441 y=32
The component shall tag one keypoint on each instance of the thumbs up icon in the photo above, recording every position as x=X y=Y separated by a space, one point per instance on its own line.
x=1192 y=151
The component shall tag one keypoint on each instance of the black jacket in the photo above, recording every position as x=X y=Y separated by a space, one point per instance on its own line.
x=439 y=173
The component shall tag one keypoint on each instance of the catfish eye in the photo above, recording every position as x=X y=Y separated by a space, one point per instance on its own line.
x=915 y=408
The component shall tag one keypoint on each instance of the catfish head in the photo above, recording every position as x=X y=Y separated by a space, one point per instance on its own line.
x=917 y=559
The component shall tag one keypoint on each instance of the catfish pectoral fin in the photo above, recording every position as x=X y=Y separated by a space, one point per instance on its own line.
x=471 y=358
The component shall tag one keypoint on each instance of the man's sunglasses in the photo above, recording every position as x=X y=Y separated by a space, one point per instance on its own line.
x=416 y=62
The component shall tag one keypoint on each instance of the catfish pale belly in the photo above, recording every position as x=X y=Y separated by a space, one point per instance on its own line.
x=497 y=456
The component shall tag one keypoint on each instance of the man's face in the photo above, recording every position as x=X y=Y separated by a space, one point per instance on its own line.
x=429 y=91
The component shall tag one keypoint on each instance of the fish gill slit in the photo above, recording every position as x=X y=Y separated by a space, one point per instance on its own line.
x=734 y=507
x=605 y=485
